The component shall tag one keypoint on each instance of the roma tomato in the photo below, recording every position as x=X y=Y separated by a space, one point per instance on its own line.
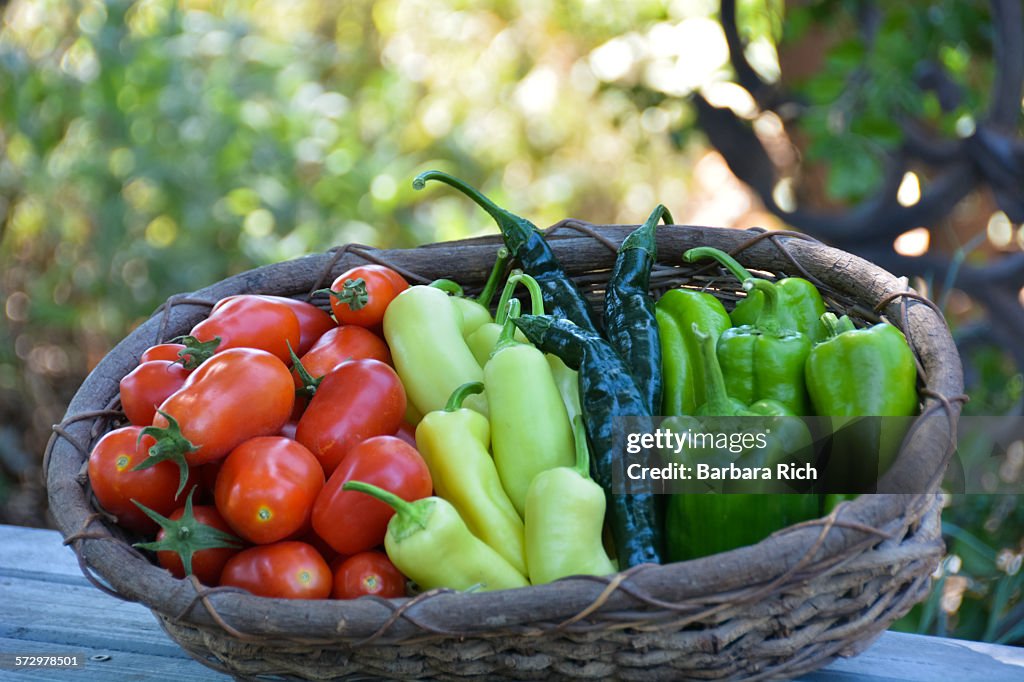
x=266 y=488
x=339 y=345
x=147 y=386
x=361 y=295
x=286 y=570
x=368 y=573
x=355 y=401
x=251 y=321
x=351 y=522
x=207 y=564
x=163 y=351
x=115 y=482
x=313 y=322
x=236 y=395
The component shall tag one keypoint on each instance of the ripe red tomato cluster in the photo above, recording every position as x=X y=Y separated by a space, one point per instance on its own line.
x=240 y=438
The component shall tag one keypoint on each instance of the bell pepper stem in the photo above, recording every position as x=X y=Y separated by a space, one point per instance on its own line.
x=837 y=325
x=642 y=236
x=717 y=396
x=730 y=263
x=461 y=393
x=491 y=286
x=536 y=296
x=448 y=286
x=407 y=510
x=768 y=318
x=579 y=433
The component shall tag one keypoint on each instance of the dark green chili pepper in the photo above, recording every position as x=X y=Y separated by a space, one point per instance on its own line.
x=629 y=321
x=526 y=243
x=607 y=392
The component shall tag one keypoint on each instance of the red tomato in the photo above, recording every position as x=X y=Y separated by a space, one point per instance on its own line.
x=368 y=573
x=147 y=386
x=266 y=488
x=236 y=395
x=362 y=294
x=287 y=570
x=339 y=345
x=207 y=564
x=116 y=484
x=352 y=522
x=162 y=351
x=251 y=322
x=358 y=400
x=313 y=322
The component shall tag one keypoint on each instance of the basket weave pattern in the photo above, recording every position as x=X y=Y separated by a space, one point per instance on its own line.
x=776 y=609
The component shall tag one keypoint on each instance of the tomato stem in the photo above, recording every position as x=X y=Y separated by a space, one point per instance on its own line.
x=353 y=293
x=187 y=535
x=170 y=444
x=309 y=382
x=196 y=352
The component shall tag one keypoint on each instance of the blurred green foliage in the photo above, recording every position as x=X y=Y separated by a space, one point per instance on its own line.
x=152 y=147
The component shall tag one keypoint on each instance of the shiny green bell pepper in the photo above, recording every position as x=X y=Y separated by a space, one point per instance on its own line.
x=800 y=305
x=676 y=311
x=764 y=360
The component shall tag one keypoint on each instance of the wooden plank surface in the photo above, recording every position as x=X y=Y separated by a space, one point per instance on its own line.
x=48 y=608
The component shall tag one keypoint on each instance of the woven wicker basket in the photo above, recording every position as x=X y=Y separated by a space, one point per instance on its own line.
x=776 y=609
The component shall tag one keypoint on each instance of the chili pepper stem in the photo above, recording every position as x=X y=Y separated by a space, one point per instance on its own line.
x=448 y=286
x=536 y=296
x=508 y=329
x=643 y=233
x=461 y=393
x=491 y=286
x=406 y=510
x=730 y=263
x=499 y=214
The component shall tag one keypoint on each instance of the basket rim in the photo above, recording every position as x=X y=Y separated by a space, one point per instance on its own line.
x=860 y=524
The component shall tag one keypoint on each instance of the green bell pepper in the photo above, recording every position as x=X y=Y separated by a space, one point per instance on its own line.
x=800 y=306
x=698 y=525
x=676 y=311
x=764 y=360
x=862 y=373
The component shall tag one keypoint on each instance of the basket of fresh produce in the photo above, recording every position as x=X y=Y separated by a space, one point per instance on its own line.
x=357 y=463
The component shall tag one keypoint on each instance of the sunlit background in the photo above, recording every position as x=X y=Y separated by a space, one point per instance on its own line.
x=155 y=147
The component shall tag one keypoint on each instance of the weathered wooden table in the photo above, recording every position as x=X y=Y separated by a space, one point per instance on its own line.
x=48 y=609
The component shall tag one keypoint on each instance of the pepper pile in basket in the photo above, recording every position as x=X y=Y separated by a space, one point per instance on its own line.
x=413 y=437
